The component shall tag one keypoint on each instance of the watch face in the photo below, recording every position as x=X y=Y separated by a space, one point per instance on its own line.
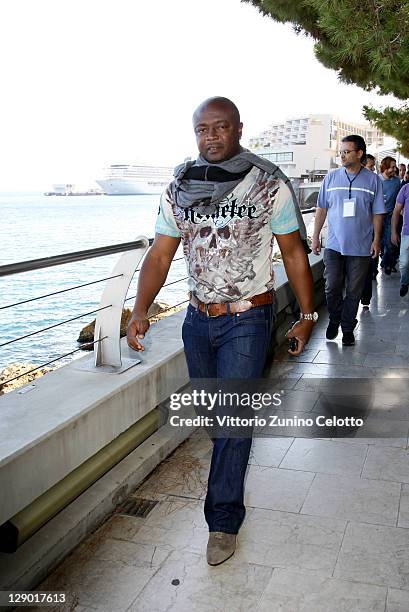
x=313 y=316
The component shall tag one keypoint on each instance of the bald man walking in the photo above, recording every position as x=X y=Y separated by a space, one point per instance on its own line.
x=226 y=207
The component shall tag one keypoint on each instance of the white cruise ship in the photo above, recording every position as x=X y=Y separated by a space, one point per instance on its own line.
x=126 y=179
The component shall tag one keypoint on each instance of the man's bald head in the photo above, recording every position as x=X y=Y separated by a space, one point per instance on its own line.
x=218 y=102
x=217 y=126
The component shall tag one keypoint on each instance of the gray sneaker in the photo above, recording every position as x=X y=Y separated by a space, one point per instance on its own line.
x=220 y=547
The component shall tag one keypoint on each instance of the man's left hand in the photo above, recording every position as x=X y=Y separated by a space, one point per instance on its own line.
x=375 y=248
x=395 y=238
x=301 y=330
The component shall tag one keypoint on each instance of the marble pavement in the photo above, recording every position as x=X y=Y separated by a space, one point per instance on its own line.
x=327 y=525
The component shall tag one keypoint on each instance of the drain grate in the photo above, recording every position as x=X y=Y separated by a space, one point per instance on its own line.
x=137 y=507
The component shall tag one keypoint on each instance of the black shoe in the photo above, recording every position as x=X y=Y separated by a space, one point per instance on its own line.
x=332 y=330
x=403 y=290
x=348 y=339
x=387 y=270
x=393 y=269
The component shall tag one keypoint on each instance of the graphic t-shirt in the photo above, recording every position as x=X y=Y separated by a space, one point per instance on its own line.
x=229 y=253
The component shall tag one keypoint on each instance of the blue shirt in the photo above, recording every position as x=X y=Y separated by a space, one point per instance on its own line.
x=351 y=235
x=391 y=188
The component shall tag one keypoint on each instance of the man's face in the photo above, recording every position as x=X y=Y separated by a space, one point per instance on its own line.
x=350 y=155
x=402 y=171
x=391 y=171
x=370 y=164
x=217 y=132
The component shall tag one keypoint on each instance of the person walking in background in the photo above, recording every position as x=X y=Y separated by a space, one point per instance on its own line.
x=366 y=296
x=370 y=162
x=402 y=172
x=390 y=186
x=351 y=198
x=402 y=203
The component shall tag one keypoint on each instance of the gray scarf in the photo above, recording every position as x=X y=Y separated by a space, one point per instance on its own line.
x=204 y=196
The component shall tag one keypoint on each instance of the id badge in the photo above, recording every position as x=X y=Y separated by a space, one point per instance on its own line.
x=349 y=207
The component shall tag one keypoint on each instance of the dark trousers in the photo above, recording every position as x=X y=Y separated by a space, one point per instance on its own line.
x=370 y=275
x=344 y=271
x=390 y=251
x=230 y=347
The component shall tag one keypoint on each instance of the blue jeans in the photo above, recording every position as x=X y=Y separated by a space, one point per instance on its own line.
x=404 y=260
x=228 y=346
x=351 y=271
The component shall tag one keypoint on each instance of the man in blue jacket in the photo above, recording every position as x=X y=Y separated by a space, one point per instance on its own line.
x=391 y=187
x=351 y=199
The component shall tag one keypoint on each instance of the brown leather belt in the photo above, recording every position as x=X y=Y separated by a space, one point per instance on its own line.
x=216 y=310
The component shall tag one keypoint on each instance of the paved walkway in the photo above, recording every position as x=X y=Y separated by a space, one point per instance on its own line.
x=327 y=526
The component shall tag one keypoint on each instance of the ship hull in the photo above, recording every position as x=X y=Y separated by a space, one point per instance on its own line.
x=124 y=187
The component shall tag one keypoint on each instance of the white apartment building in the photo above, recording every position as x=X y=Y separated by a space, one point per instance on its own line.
x=308 y=146
x=389 y=148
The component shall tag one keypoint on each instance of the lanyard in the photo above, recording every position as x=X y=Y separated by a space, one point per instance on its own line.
x=351 y=181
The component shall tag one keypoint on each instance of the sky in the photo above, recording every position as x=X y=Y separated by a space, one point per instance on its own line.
x=86 y=83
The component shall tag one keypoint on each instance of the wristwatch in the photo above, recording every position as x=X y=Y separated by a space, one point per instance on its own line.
x=309 y=316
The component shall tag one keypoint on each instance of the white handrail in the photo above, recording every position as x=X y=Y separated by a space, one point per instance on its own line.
x=108 y=321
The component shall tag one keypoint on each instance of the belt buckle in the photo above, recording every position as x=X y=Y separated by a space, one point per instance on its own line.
x=242 y=305
x=210 y=316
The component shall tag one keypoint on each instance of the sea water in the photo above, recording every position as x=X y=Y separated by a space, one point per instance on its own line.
x=34 y=226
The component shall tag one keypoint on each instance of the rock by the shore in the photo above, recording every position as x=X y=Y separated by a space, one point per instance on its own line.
x=87 y=332
x=16 y=369
x=156 y=309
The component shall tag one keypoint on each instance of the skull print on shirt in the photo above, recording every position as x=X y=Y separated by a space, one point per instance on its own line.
x=229 y=253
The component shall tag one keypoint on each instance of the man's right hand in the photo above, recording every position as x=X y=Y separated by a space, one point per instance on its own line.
x=137 y=328
x=316 y=245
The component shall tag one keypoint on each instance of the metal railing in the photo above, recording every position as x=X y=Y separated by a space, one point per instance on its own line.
x=66 y=258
